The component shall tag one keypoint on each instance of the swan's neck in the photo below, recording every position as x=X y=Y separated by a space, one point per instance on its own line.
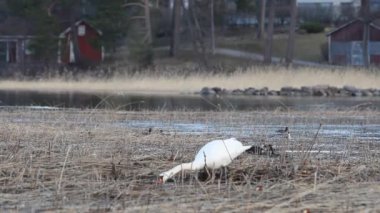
x=170 y=173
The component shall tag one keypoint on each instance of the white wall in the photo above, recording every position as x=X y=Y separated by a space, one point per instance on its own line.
x=335 y=2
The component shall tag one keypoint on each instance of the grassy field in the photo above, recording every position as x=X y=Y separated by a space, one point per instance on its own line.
x=307 y=46
x=91 y=160
x=177 y=79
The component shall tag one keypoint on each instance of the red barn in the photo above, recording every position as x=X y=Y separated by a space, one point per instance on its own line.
x=88 y=44
x=346 y=44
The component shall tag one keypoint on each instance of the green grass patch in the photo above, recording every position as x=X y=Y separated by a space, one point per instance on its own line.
x=307 y=46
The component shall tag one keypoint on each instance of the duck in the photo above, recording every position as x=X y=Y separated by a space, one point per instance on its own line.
x=148 y=131
x=285 y=131
x=214 y=155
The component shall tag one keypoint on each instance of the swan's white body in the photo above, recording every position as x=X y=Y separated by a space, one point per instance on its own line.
x=213 y=155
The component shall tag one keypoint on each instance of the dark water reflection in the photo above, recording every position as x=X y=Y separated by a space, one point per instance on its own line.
x=138 y=102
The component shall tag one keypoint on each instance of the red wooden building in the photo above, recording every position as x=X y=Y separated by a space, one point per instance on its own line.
x=89 y=45
x=346 y=44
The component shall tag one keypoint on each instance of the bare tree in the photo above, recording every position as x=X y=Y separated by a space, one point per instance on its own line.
x=212 y=27
x=196 y=31
x=148 y=24
x=176 y=20
x=365 y=14
x=269 y=35
x=261 y=30
x=191 y=29
x=292 y=31
x=347 y=11
x=144 y=4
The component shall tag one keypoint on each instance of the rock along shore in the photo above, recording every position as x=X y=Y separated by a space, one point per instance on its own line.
x=319 y=90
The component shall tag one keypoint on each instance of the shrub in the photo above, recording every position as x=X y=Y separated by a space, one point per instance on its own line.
x=312 y=27
x=141 y=53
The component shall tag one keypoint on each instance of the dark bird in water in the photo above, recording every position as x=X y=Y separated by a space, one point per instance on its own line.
x=148 y=132
x=285 y=131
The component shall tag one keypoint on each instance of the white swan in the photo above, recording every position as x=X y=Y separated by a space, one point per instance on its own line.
x=213 y=155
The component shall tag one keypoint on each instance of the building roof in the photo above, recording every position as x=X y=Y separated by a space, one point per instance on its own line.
x=374 y=23
x=68 y=29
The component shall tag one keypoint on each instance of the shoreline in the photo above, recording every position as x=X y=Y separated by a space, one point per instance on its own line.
x=274 y=78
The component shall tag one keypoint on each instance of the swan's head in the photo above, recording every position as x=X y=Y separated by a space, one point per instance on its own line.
x=162 y=178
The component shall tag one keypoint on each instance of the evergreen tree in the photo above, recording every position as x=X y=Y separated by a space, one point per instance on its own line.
x=246 y=6
x=110 y=17
x=44 y=45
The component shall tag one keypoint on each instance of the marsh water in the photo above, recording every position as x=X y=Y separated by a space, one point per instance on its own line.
x=188 y=102
x=336 y=134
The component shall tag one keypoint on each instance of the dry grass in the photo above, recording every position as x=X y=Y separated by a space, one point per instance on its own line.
x=74 y=160
x=168 y=81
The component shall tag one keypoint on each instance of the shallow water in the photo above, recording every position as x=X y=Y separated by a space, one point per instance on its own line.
x=139 y=102
x=333 y=137
x=331 y=140
x=361 y=132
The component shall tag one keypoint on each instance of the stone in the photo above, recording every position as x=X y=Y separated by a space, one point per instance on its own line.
x=226 y=92
x=217 y=90
x=264 y=91
x=237 y=92
x=351 y=89
x=273 y=93
x=306 y=91
x=376 y=92
x=285 y=93
x=357 y=94
x=207 y=91
x=367 y=93
x=319 y=92
x=343 y=93
x=321 y=86
x=287 y=89
x=250 y=91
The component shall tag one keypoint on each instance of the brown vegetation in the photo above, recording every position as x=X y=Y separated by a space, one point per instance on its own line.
x=92 y=160
x=172 y=79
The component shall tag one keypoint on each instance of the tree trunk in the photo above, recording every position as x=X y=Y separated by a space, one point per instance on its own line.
x=261 y=30
x=191 y=29
x=292 y=32
x=212 y=27
x=269 y=37
x=198 y=29
x=198 y=33
x=176 y=20
x=365 y=14
x=147 y=21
